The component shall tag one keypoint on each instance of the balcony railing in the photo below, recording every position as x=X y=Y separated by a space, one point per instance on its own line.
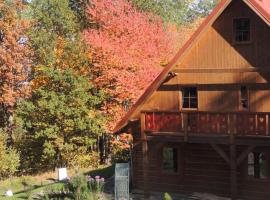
x=239 y=123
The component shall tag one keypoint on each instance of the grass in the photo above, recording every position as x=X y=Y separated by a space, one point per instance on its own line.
x=27 y=186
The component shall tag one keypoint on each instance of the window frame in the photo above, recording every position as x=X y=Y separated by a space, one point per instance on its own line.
x=182 y=97
x=234 y=31
x=257 y=162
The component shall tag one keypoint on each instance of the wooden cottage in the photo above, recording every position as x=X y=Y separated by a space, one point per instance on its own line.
x=203 y=125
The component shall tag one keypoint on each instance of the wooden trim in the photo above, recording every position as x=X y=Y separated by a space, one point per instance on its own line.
x=223 y=70
x=244 y=154
x=221 y=153
x=145 y=158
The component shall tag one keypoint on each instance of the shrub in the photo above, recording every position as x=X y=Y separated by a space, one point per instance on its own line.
x=167 y=196
x=9 y=156
x=78 y=186
x=86 y=188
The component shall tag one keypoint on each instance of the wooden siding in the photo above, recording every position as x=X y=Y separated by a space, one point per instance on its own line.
x=200 y=169
x=218 y=68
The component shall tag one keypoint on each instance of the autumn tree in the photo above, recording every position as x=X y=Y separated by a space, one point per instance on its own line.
x=170 y=10
x=60 y=119
x=55 y=36
x=179 y=12
x=127 y=50
x=80 y=9
x=14 y=60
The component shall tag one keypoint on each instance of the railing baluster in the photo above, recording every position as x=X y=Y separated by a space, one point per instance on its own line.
x=267 y=124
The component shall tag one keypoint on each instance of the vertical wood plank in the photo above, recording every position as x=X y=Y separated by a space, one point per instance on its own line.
x=233 y=168
x=145 y=158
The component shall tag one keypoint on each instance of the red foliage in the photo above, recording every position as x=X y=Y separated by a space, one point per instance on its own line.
x=127 y=48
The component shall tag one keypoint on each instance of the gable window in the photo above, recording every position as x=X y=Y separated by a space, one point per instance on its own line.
x=244 y=102
x=241 y=30
x=257 y=165
x=169 y=162
x=190 y=97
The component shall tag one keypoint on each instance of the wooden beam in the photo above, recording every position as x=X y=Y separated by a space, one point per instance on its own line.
x=222 y=70
x=221 y=153
x=244 y=154
x=145 y=158
x=233 y=167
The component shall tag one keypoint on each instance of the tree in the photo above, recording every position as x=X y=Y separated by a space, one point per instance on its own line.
x=80 y=7
x=178 y=12
x=14 y=58
x=170 y=10
x=9 y=157
x=60 y=119
x=127 y=50
x=55 y=36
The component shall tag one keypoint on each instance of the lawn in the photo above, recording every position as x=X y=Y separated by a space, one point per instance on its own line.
x=28 y=186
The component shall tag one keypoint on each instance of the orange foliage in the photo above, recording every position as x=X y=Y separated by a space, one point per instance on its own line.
x=14 y=54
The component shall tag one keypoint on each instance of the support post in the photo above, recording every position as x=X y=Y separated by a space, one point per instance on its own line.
x=145 y=158
x=233 y=166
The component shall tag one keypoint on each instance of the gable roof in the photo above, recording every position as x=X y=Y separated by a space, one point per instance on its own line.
x=261 y=7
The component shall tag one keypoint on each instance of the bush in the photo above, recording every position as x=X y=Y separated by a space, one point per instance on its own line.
x=167 y=196
x=9 y=156
x=121 y=148
x=86 y=188
x=84 y=159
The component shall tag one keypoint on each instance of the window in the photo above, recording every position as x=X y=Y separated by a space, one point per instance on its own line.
x=241 y=30
x=244 y=98
x=190 y=97
x=257 y=165
x=169 y=160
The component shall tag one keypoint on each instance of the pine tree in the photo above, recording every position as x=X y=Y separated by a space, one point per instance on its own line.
x=60 y=119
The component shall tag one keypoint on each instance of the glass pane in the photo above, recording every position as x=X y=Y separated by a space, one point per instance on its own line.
x=193 y=103
x=185 y=102
x=263 y=166
x=170 y=159
x=251 y=164
x=186 y=92
x=193 y=92
x=242 y=30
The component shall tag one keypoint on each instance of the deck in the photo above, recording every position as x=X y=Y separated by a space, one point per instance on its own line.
x=196 y=126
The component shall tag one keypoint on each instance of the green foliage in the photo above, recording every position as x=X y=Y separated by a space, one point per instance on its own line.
x=9 y=158
x=167 y=196
x=78 y=186
x=60 y=119
x=55 y=35
x=79 y=7
x=120 y=155
x=178 y=12
x=170 y=10
x=84 y=159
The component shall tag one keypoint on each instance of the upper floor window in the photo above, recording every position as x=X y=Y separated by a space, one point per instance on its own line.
x=257 y=165
x=241 y=30
x=190 y=97
x=244 y=103
x=170 y=160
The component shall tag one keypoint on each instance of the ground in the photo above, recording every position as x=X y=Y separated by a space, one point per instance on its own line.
x=28 y=186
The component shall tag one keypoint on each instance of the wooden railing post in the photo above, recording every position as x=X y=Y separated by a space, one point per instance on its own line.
x=185 y=123
x=145 y=158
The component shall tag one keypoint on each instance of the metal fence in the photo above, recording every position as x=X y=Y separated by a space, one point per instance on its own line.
x=121 y=183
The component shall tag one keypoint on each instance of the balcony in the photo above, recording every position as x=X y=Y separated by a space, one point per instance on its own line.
x=207 y=123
